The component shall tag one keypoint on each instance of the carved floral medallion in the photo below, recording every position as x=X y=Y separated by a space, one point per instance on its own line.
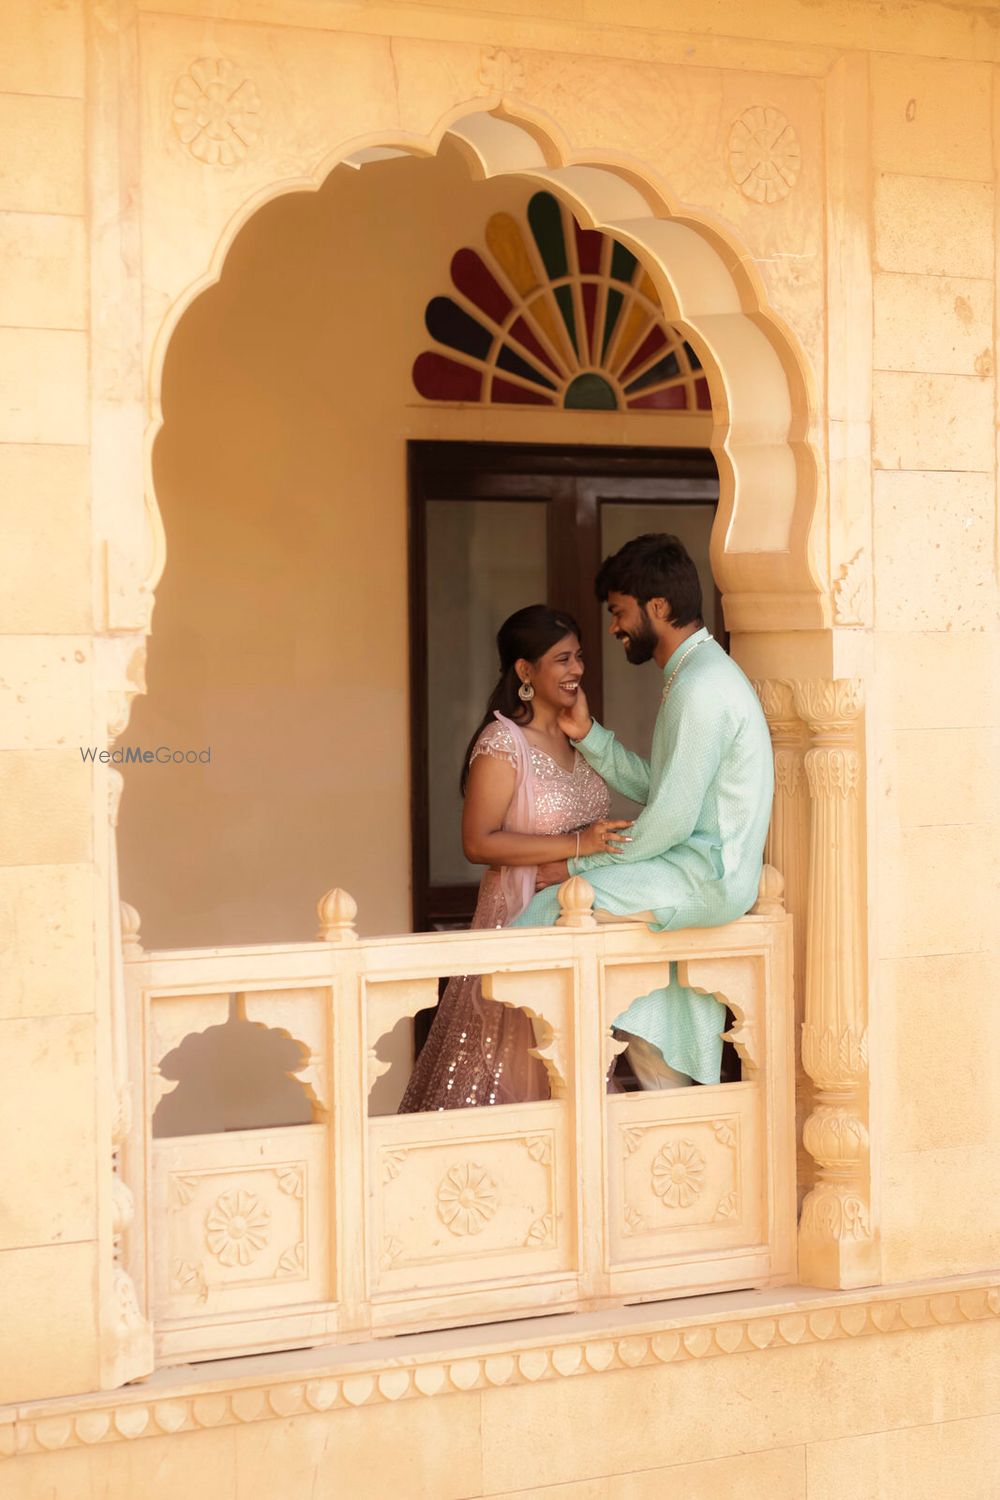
x=467 y=1198
x=237 y=1228
x=216 y=112
x=678 y=1173
x=764 y=154
x=501 y=71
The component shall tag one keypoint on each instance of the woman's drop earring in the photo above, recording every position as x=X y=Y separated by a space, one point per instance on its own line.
x=525 y=692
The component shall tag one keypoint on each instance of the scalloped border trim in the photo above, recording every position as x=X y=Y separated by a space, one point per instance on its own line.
x=126 y=1415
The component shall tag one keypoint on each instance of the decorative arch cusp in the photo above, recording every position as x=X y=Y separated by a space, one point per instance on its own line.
x=762 y=544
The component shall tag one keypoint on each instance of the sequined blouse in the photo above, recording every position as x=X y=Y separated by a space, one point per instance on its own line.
x=564 y=800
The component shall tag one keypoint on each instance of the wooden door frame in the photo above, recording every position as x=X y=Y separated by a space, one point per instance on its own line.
x=440 y=470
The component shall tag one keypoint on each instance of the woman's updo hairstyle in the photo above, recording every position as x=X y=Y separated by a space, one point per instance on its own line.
x=526 y=635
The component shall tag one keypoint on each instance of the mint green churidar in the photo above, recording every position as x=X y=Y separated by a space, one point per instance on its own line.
x=697 y=846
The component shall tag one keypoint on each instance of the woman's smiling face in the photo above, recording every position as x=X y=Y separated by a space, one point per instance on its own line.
x=556 y=676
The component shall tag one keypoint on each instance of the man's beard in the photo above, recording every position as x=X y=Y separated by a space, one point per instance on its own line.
x=640 y=644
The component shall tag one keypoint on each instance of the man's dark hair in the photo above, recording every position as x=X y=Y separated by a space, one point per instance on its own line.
x=654 y=566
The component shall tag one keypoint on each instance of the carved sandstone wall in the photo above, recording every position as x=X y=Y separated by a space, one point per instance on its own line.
x=847 y=164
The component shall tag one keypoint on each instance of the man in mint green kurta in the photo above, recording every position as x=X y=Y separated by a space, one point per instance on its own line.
x=695 y=851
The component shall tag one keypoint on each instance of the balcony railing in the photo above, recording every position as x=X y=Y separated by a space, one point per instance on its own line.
x=353 y=1224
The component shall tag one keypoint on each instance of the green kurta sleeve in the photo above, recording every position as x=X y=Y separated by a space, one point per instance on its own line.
x=622 y=769
x=691 y=732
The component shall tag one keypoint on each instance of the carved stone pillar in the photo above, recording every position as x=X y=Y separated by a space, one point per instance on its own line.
x=787 y=849
x=838 y=1243
x=127 y=1343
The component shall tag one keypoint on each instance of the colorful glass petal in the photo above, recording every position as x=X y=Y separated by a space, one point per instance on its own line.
x=703 y=400
x=665 y=369
x=541 y=310
x=693 y=359
x=504 y=238
x=545 y=218
x=614 y=307
x=439 y=378
x=524 y=336
x=564 y=299
x=474 y=281
x=589 y=244
x=589 y=291
x=655 y=339
x=510 y=394
x=632 y=328
x=452 y=325
x=508 y=360
x=670 y=398
x=623 y=263
x=590 y=392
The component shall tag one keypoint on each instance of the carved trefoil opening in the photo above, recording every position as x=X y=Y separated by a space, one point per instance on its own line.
x=483 y=1048
x=237 y=1076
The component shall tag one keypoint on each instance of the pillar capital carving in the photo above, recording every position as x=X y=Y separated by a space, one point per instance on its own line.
x=836 y=1214
x=832 y=771
x=835 y=1058
x=777 y=699
x=787 y=772
x=836 y=1138
x=830 y=706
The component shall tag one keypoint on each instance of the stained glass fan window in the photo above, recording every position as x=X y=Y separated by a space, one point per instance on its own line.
x=555 y=315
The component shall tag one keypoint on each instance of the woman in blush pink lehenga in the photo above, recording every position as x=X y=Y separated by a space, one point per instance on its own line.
x=530 y=799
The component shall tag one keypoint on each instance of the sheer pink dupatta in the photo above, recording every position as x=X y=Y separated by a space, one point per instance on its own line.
x=517 y=883
x=507 y=1035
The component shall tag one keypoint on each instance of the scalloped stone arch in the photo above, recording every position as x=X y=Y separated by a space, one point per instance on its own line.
x=763 y=542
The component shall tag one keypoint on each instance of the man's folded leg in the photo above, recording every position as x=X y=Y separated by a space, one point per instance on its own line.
x=647 y=1062
x=682 y=1025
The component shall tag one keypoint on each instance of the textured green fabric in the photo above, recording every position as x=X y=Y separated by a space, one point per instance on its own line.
x=697 y=846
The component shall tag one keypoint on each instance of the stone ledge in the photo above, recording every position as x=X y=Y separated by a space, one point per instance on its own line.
x=266 y=1387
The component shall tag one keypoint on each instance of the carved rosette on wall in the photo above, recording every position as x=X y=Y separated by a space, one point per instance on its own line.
x=237 y=1228
x=692 y=1176
x=678 y=1174
x=763 y=154
x=233 y=1227
x=466 y=1198
x=501 y=71
x=838 y=1243
x=216 y=112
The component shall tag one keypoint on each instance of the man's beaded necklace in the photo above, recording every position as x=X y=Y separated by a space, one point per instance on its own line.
x=670 y=680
